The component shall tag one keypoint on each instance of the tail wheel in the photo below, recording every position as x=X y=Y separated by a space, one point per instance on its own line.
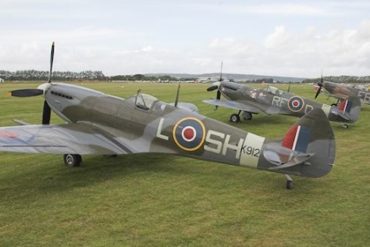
x=289 y=185
x=72 y=160
x=234 y=118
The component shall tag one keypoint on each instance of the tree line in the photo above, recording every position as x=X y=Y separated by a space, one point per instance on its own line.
x=31 y=75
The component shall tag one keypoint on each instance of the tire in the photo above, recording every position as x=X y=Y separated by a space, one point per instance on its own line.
x=72 y=160
x=289 y=185
x=234 y=118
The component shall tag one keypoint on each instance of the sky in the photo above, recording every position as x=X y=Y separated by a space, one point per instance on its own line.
x=281 y=38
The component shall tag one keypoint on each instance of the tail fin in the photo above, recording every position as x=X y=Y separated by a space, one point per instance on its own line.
x=350 y=108
x=308 y=148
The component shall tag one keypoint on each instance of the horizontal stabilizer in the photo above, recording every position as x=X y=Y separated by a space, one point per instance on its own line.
x=283 y=157
x=348 y=109
x=296 y=160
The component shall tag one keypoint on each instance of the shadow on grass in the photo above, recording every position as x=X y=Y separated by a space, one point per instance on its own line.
x=50 y=176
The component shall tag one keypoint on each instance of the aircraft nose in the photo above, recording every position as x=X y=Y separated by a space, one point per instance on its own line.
x=44 y=87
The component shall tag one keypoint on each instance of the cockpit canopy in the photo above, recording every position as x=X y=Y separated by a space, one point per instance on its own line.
x=145 y=101
x=274 y=90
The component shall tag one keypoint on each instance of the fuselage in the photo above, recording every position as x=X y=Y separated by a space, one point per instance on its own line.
x=344 y=91
x=275 y=101
x=143 y=116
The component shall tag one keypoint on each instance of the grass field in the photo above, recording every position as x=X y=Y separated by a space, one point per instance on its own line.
x=161 y=200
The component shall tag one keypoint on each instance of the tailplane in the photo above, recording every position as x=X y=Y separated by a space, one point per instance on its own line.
x=307 y=149
x=348 y=109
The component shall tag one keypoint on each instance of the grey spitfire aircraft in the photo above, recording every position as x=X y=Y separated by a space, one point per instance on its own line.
x=271 y=101
x=101 y=124
x=341 y=91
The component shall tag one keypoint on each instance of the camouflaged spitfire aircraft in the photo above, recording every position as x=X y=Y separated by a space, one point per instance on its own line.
x=341 y=91
x=271 y=101
x=101 y=124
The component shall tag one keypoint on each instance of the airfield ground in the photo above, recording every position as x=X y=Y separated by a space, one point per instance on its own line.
x=164 y=200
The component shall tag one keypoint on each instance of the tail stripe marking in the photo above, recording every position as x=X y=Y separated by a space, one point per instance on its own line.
x=297 y=138
x=302 y=139
x=345 y=106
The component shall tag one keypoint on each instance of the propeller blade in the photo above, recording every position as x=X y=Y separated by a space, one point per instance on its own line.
x=212 y=88
x=51 y=62
x=222 y=64
x=177 y=95
x=26 y=92
x=318 y=91
x=46 y=113
x=218 y=96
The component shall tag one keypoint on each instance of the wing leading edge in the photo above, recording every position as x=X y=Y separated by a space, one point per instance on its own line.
x=233 y=105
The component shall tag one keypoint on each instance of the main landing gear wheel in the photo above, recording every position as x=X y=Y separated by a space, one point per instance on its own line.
x=346 y=126
x=72 y=160
x=234 y=118
x=289 y=182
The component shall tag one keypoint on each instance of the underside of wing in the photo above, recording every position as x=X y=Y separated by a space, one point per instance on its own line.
x=233 y=105
x=59 y=139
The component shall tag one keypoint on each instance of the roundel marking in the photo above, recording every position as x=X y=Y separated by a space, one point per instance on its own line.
x=295 y=103
x=189 y=133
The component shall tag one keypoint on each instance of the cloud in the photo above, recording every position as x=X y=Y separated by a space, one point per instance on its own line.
x=305 y=53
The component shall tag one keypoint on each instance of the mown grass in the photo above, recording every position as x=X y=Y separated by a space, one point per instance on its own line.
x=166 y=200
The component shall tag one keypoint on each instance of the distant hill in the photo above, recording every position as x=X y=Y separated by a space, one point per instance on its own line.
x=235 y=77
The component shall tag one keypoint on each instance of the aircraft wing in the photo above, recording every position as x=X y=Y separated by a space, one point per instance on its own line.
x=59 y=139
x=233 y=105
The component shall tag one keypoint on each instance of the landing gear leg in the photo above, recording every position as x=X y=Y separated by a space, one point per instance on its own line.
x=235 y=118
x=72 y=160
x=289 y=182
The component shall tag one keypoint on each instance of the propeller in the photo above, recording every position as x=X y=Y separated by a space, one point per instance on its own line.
x=26 y=92
x=51 y=62
x=222 y=64
x=212 y=88
x=218 y=95
x=46 y=112
x=177 y=95
x=216 y=85
x=320 y=84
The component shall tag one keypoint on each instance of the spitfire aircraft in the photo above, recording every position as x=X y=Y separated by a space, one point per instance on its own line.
x=101 y=124
x=341 y=91
x=270 y=100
